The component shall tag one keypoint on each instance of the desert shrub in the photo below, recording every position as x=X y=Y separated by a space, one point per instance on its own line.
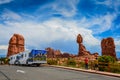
x=106 y=59
x=104 y=62
x=4 y=60
x=71 y=62
x=82 y=64
x=115 y=67
x=52 y=62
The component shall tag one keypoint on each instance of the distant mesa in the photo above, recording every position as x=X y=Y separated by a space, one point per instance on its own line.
x=108 y=47
x=16 y=45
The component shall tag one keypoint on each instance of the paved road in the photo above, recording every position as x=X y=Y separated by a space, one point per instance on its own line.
x=47 y=73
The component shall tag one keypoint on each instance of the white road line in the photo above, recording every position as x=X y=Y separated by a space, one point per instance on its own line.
x=21 y=71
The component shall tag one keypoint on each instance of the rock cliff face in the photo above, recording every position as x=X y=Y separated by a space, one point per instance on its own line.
x=108 y=47
x=16 y=44
x=82 y=50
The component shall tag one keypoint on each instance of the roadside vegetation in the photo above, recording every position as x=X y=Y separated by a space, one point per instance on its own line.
x=105 y=63
x=4 y=60
x=108 y=63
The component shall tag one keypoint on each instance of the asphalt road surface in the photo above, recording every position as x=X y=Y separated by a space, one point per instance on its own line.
x=47 y=73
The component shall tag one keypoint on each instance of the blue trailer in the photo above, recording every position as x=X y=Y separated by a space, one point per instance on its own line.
x=33 y=57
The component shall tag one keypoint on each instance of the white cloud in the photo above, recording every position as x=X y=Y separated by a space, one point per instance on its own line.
x=49 y=31
x=106 y=2
x=10 y=15
x=98 y=24
x=66 y=10
x=117 y=43
x=113 y=4
x=3 y=47
x=5 y=1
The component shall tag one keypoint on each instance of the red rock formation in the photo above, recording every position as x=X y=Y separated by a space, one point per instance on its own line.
x=108 y=47
x=50 y=52
x=82 y=49
x=53 y=53
x=79 y=39
x=95 y=54
x=16 y=45
x=57 y=53
x=65 y=55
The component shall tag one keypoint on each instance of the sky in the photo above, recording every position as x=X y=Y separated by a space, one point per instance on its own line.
x=56 y=23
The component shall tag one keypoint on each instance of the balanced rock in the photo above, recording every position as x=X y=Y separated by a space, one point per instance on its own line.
x=82 y=50
x=16 y=45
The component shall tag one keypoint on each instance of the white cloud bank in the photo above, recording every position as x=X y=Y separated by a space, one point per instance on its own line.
x=3 y=47
x=48 y=31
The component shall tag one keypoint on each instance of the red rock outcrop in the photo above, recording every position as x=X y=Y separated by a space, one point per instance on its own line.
x=16 y=44
x=53 y=53
x=82 y=49
x=108 y=47
x=50 y=52
x=65 y=55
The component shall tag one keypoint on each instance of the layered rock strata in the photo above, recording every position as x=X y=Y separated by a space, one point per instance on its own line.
x=16 y=45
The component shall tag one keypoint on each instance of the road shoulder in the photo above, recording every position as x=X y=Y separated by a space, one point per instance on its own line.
x=89 y=71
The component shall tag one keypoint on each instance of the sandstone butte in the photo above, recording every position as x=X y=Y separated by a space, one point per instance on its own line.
x=16 y=45
x=108 y=47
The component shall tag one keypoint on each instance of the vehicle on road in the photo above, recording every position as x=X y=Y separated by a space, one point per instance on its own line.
x=35 y=57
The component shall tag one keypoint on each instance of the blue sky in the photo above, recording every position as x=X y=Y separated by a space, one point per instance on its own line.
x=56 y=23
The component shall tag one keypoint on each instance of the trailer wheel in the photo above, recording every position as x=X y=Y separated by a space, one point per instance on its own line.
x=27 y=63
x=37 y=65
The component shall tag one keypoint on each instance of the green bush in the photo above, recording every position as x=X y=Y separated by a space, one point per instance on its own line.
x=52 y=62
x=82 y=64
x=106 y=59
x=104 y=62
x=115 y=67
x=4 y=60
x=71 y=62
